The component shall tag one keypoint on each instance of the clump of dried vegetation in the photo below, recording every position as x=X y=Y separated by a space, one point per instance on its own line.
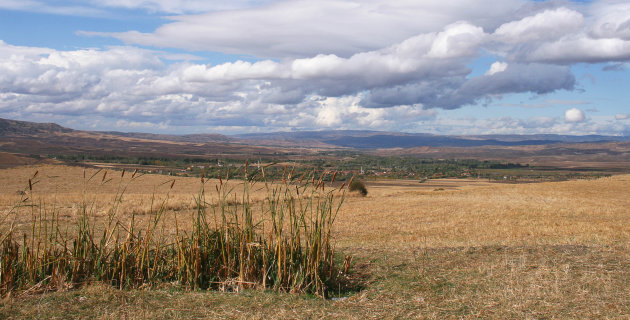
x=357 y=185
x=280 y=242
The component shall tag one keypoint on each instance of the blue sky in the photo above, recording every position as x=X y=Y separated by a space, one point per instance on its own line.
x=194 y=66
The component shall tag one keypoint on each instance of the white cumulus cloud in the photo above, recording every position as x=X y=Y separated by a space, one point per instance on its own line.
x=574 y=115
x=547 y=25
x=334 y=63
x=497 y=67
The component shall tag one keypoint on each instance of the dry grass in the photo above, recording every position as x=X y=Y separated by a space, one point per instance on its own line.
x=593 y=212
x=470 y=250
x=62 y=188
x=221 y=245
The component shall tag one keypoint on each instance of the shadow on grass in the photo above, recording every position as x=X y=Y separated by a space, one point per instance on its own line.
x=351 y=281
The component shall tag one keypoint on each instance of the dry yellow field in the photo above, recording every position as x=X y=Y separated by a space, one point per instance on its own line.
x=595 y=212
x=441 y=249
x=396 y=213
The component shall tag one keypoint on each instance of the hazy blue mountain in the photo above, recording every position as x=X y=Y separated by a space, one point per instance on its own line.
x=357 y=139
x=380 y=139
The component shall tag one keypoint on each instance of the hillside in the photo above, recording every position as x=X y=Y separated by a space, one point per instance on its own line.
x=44 y=139
x=14 y=128
x=51 y=139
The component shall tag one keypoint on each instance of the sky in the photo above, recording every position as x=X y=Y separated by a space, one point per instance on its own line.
x=244 y=66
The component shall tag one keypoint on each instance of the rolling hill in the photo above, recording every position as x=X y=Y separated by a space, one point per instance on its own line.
x=29 y=138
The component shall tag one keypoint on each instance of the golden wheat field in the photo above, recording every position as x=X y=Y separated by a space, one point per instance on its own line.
x=450 y=248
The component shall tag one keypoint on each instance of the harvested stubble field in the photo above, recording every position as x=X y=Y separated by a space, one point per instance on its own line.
x=439 y=249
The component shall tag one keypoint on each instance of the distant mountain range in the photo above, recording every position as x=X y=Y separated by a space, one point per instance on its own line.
x=352 y=139
x=382 y=140
x=49 y=139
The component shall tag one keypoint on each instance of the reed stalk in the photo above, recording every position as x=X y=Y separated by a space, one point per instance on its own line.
x=282 y=243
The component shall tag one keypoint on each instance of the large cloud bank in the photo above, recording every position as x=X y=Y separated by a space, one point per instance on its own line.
x=332 y=63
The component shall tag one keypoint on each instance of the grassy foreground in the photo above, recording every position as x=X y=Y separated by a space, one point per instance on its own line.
x=448 y=249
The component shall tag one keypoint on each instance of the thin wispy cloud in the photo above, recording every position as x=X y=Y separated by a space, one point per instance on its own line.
x=73 y=9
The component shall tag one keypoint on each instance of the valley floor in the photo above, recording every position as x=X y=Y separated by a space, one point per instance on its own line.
x=439 y=249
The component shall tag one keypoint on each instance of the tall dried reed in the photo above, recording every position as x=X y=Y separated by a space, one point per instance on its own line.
x=281 y=243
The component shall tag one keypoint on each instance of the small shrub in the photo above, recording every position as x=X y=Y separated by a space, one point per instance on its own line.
x=359 y=186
